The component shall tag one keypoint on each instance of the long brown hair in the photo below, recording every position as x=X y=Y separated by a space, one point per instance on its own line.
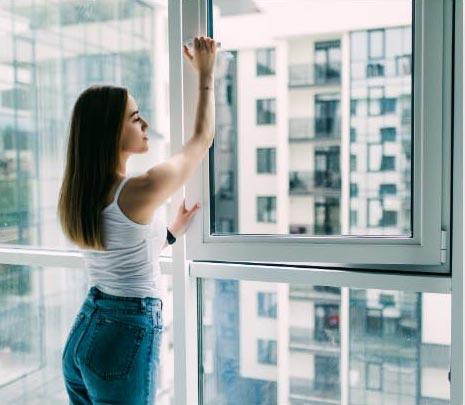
x=91 y=163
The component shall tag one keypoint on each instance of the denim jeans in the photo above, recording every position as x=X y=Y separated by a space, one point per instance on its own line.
x=112 y=353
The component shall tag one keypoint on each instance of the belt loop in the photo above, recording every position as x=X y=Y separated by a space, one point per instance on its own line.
x=142 y=305
x=93 y=293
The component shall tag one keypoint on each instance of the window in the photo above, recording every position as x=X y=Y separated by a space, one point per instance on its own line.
x=267 y=351
x=353 y=218
x=353 y=135
x=374 y=376
x=375 y=69
x=227 y=185
x=388 y=163
x=389 y=218
x=326 y=125
x=266 y=209
x=403 y=65
x=353 y=107
x=266 y=160
x=267 y=305
x=376 y=44
x=327 y=62
x=353 y=189
x=266 y=62
x=353 y=163
x=326 y=322
x=388 y=105
x=387 y=189
x=388 y=134
x=266 y=111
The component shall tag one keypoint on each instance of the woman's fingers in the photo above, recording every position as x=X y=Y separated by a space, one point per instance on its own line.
x=187 y=53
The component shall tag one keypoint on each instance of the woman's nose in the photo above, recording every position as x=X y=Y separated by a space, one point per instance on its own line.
x=144 y=123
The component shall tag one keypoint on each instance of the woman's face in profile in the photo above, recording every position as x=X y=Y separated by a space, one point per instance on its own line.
x=134 y=138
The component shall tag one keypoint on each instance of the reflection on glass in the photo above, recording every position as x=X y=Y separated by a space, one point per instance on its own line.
x=38 y=306
x=52 y=52
x=344 y=124
x=253 y=352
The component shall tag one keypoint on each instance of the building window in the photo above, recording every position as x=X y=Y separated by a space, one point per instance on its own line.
x=353 y=163
x=387 y=189
x=353 y=107
x=388 y=134
x=267 y=305
x=374 y=376
x=353 y=135
x=353 y=218
x=389 y=218
x=326 y=323
x=327 y=61
x=374 y=321
x=353 y=189
x=403 y=65
x=266 y=160
x=388 y=163
x=327 y=216
x=266 y=62
x=226 y=184
x=226 y=225
x=266 y=111
x=388 y=105
x=267 y=351
x=376 y=44
x=375 y=69
x=326 y=373
x=266 y=209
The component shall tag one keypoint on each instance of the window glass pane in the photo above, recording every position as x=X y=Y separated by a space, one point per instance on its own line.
x=53 y=50
x=265 y=62
x=39 y=306
x=302 y=112
x=398 y=345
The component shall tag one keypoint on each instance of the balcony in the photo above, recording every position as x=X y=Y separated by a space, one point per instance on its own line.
x=308 y=182
x=317 y=74
x=307 y=391
x=316 y=129
x=303 y=340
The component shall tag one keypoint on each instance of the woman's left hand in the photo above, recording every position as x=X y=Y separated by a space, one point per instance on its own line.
x=183 y=219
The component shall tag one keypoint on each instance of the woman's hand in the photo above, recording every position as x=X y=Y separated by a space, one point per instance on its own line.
x=183 y=219
x=203 y=56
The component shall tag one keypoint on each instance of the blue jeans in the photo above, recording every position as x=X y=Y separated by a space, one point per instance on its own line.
x=112 y=353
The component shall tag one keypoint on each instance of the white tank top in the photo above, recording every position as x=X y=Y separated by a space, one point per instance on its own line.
x=130 y=266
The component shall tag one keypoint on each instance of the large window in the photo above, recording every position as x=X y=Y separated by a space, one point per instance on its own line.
x=51 y=52
x=382 y=342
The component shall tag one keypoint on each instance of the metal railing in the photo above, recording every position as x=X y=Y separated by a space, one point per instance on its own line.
x=314 y=128
x=314 y=74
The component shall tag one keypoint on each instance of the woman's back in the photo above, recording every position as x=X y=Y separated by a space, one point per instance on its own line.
x=129 y=266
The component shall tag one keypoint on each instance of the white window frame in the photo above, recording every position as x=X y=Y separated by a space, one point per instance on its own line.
x=204 y=262
x=425 y=250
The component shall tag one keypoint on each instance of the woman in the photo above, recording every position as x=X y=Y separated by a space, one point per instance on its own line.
x=111 y=354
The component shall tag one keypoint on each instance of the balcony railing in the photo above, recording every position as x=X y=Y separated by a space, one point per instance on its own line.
x=308 y=182
x=303 y=339
x=314 y=129
x=317 y=74
x=307 y=390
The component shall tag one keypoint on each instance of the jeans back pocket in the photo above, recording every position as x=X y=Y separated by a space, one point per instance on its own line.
x=113 y=347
